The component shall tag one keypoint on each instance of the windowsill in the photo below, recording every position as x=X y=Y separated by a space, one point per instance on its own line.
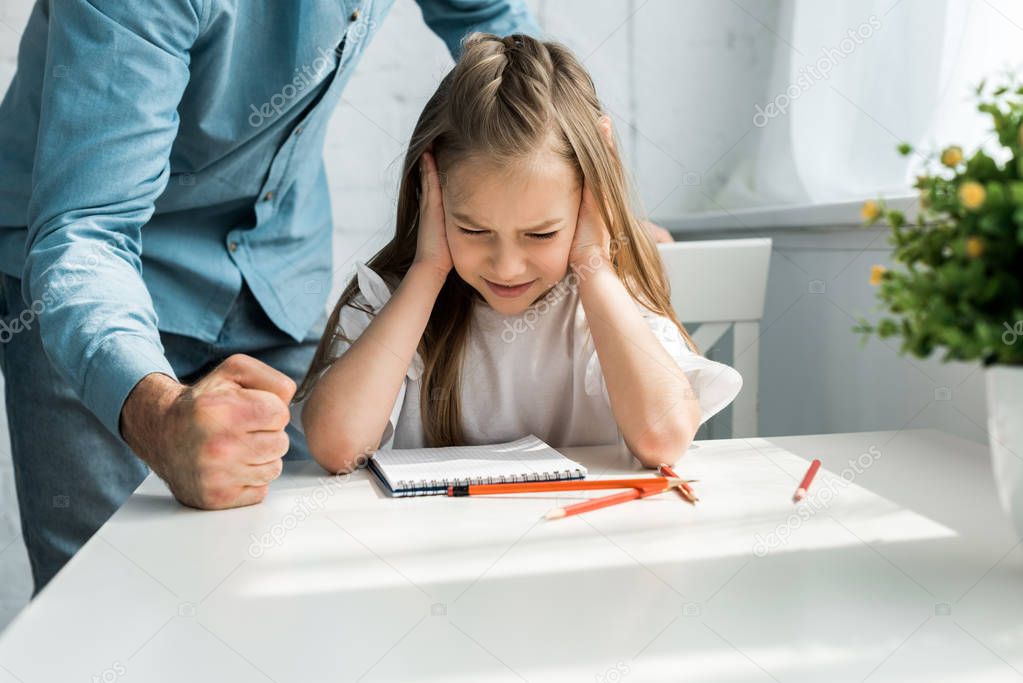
x=836 y=215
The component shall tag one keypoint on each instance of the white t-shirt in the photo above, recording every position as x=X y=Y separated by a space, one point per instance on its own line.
x=532 y=373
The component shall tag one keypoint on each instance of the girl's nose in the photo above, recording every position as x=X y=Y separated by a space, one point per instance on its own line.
x=509 y=265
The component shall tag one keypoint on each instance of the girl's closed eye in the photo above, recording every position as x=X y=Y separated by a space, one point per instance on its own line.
x=537 y=235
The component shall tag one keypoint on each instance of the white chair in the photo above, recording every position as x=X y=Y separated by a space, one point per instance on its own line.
x=720 y=284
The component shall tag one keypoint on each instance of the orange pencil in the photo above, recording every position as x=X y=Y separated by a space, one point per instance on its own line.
x=566 y=485
x=684 y=489
x=606 y=501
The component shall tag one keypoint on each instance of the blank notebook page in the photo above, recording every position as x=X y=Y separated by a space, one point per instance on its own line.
x=426 y=471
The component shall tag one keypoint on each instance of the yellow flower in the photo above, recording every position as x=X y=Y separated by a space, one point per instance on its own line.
x=870 y=210
x=974 y=247
x=972 y=194
x=952 y=156
x=876 y=272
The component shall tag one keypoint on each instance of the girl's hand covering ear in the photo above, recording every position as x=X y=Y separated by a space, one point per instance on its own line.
x=592 y=240
x=432 y=246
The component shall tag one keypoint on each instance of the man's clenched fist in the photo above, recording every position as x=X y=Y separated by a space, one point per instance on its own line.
x=218 y=443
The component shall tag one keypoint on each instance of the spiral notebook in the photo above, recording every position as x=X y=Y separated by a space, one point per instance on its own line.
x=430 y=471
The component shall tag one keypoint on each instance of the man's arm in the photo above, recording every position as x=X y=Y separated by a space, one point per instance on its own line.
x=452 y=20
x=115 y=73
x=108 y=118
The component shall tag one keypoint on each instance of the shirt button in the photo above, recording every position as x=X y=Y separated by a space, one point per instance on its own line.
x=268 y=196
x=232 y=245
x=298 y=131
x=355 y=15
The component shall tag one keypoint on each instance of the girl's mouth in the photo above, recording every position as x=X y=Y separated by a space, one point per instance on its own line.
x=509 y=292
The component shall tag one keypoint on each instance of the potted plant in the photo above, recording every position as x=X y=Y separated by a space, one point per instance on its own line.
x=959 y=287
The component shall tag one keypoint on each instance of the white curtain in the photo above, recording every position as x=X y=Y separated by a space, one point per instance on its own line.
x=850 y=80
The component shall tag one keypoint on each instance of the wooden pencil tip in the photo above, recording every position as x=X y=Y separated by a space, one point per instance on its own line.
x=799 y=495
x=556 y=513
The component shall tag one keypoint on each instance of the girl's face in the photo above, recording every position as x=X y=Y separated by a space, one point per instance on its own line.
x=511 y=226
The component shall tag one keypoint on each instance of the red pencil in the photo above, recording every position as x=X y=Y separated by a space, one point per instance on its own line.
x=805 y=484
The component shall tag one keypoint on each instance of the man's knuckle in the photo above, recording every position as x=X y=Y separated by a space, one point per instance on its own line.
x=264 y=410
x=271 y=411
x=218 y=448
x=275 y=469
x=234 y=362
x=280 y=415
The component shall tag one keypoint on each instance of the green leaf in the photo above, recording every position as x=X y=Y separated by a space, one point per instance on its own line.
x=1016 y=192
x=981 y=167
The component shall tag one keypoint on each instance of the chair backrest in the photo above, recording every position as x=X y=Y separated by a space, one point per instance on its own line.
x=717 y=280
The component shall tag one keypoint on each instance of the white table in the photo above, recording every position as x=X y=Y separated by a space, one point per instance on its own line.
x=909 y=573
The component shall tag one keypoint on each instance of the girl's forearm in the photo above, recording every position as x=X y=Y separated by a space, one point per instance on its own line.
x=348 y=408
x=651 y=398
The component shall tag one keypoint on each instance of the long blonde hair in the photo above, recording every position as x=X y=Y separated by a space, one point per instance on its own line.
x=505 y=99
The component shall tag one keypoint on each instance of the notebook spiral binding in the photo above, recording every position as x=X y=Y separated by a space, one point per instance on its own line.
x=410 y=487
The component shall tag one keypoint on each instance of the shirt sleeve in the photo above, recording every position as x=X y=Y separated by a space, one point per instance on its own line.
x=714 y=384
x=114 y=75
x=452 y=20
x=353 y=321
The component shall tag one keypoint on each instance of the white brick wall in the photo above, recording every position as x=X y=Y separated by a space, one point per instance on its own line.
x=676 y=76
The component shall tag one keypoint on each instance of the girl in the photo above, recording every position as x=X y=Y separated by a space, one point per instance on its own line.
x=520 y=293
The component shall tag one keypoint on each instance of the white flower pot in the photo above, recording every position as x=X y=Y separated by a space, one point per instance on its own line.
x=1005 y=435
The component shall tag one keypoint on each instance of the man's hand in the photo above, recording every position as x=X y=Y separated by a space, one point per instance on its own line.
x=218 y=443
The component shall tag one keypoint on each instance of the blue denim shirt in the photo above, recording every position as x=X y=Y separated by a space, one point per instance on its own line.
x=155 y=154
